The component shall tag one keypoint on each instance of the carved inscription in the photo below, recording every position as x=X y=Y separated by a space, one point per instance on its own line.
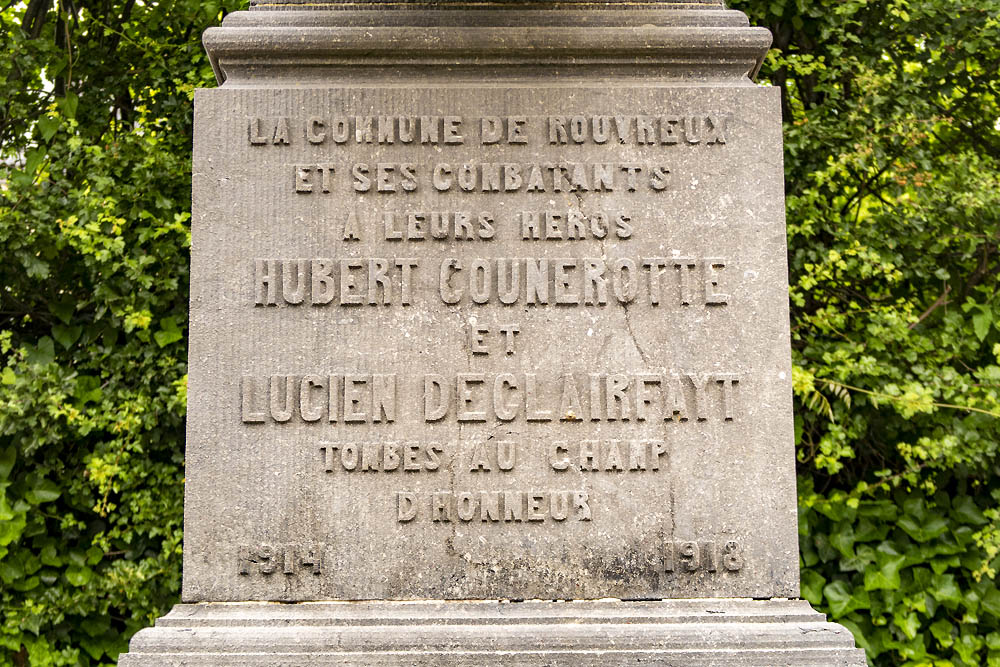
x=494 y=506
x=457 y=215
x=381 y=456
x=662 y=130
x=286 y=559
x=586 y=455
x=474 y=177
x=650 y=130
x=350 y=398
x=690 y=557
x=357 y=398
x=608 y=455
x=548 y=281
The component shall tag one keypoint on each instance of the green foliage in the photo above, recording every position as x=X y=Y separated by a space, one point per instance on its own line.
x=95 y=129
x=890 y=110
x=891 y=130
x=900 y=570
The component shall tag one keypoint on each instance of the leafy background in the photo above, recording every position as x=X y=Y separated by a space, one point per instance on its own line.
x=891 y=128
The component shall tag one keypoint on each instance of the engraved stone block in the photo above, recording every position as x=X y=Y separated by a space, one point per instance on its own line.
x=489 y=302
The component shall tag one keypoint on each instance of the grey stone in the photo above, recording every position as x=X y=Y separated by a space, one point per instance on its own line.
x=679 y=633
x=519 y=5
x=717 y=480
x=489 y=302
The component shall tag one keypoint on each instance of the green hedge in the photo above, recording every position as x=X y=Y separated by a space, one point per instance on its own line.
x=93 y=301
x=890 y=112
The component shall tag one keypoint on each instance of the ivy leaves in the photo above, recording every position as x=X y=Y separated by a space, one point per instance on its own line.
x=907 y=588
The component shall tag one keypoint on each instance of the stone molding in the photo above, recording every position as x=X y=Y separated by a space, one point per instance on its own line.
x=739 y=632
x=649 y=46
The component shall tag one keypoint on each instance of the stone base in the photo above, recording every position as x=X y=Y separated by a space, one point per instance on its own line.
x=766 y=633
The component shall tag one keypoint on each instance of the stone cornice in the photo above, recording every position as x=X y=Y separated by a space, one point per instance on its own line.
x=501 y=44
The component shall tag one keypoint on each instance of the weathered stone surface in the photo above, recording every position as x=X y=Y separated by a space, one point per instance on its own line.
x=489 y=303
x=519 y=5
x=674 y=385
x=455 y=43
x=674 y=633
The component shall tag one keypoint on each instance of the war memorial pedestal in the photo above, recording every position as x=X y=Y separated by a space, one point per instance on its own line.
x=489 y=348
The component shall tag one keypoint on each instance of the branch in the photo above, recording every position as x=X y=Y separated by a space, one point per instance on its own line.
x=967 y=408
x=34 y=17
x=941 y=301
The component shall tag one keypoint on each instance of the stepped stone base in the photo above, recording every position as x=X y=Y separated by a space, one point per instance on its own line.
x=764 y=633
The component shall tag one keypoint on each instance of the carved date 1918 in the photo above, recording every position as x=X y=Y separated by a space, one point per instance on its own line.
x=702 y=556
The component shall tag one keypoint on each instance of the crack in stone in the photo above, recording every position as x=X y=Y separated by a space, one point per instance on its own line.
x=463 y=319
x=631 y=332
x=604 y=257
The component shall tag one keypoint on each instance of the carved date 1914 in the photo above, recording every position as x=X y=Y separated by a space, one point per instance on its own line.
x=287 y=559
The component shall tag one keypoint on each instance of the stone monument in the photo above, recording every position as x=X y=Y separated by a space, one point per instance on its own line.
x=489 y=343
